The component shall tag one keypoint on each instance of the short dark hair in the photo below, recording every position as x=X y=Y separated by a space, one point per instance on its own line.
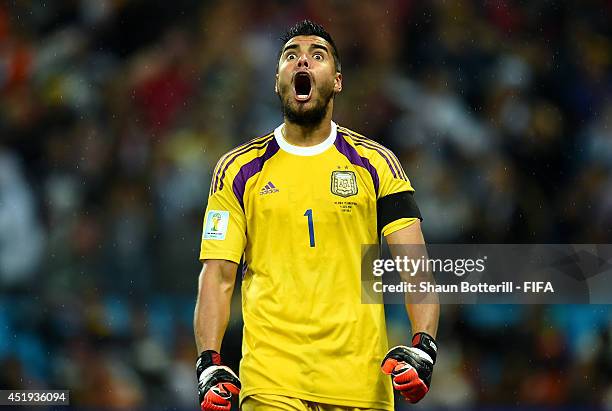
x=310 y=28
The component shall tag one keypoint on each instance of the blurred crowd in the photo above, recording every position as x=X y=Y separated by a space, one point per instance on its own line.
x=113 y=112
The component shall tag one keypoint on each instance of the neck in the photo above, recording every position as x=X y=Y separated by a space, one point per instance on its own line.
x=311 y=135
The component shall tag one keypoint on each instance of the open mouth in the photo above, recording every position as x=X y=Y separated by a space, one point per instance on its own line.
x=302 y=86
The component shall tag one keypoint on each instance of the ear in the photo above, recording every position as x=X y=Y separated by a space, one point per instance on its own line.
x=276 y=84
x=338 y=83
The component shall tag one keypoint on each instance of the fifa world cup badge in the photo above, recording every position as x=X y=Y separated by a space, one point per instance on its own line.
x=215 y=227
x=216 y=218
x=344 y=183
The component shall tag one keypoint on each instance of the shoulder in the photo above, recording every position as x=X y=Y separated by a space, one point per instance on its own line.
x=377 y=154
x=231 y=162
x=248 y=150
x=363 y=144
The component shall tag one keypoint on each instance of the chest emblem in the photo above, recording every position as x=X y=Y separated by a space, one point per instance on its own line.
x=343 y=183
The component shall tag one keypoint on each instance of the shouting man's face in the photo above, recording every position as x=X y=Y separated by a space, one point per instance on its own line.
x=307 y=79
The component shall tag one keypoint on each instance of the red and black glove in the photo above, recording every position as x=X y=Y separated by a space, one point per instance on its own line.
x=216 y=382
x=411 y=367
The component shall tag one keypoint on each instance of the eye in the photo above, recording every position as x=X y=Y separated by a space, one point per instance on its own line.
x=291 y=56
x=318 y=56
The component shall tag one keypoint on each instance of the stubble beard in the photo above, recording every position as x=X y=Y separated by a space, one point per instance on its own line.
x=309 y=117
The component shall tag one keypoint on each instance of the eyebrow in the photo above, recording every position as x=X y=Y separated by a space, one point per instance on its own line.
x=289 y=47
x=319 y=46
x=312 y=46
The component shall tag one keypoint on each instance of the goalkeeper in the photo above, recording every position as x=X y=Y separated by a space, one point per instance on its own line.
x=296 y=205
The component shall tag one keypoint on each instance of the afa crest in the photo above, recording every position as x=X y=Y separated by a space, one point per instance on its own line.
x=344 y=183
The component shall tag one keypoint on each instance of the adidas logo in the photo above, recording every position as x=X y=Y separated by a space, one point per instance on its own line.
x=268 y=189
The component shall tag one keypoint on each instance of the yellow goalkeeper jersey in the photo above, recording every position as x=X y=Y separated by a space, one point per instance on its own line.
x=298 y=216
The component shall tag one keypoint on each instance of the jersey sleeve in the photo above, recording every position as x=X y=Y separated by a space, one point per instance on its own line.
x=393 y=179
x=224 y=228
x=398 y=213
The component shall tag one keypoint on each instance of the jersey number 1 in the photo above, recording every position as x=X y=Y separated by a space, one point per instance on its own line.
x=308 y=214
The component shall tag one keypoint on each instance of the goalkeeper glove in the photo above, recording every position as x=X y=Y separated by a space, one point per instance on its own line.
x=216 y=382
x=411 y=367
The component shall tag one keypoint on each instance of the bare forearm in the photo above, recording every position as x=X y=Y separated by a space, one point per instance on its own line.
x=423 y=311
x=212 y=311
x=424 y=318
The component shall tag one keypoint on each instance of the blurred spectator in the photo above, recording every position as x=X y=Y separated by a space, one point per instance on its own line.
x=21 y=235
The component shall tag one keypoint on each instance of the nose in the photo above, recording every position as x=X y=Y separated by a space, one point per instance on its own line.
x=302 y=61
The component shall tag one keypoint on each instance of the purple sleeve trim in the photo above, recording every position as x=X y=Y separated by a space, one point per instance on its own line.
x=250 y=169
x=353 y=156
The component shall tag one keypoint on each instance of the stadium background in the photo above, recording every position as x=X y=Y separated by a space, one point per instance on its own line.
x=112 y=114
